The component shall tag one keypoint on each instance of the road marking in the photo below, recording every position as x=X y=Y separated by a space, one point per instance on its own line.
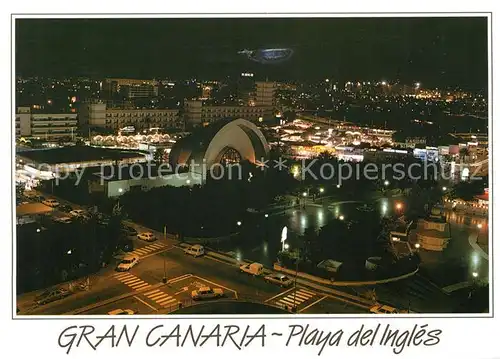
x=301 y=295
x=311 y=293
x=156 y=253
x=132 y=281
x=122 y=275
x=277 y=295
x=158 y=296
x=144 y=302
x=167 y=302
x=310 y=305
x=141 y=286
x=182 y=291
x=178 y=279
x=153 y=291
x=231 y=290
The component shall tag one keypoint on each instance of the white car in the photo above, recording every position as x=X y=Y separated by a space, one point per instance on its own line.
x=255 y=269
x=121 y=312
x=127 y=263
x=78 y=213
x=50 y=202
x=207 y=293
x=383 y=309
x=280 y=279
x=65 y=220
x=195 y=250
x=147 y=236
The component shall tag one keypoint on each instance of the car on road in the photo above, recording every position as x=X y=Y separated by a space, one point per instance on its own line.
x=280 y=279
x=121 y=312
x=207 y=293
x=383 y=309
x=195 y=250
x=78 y=213
x=255 y=269
x=147 y=236
x=129 y=231
x=51 y=296
x=65 y=208
x=127 y=263
x=50 y=202
x=65 y=220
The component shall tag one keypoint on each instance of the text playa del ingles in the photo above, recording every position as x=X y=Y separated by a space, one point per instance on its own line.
x=242 y=337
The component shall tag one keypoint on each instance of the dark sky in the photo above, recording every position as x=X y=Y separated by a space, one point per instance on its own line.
x=435 y=51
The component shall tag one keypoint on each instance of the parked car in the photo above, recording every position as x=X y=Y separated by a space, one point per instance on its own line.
x=65 y=208
x=207 y=293
x=129 y=231
x=50 y=202
x=127 y=263
x=195 y=250
x=253 y=268
x=280 y=279
x=147 y=236
x=121 y=312
x=51 y=296
x=65 y=220
x=78 y=213
x=383 y=309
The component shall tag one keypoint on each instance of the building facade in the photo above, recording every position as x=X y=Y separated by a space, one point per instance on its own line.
x=265 y=93
x=198 y=114
x=45 y=126
x=130 y=88
x=97 y=115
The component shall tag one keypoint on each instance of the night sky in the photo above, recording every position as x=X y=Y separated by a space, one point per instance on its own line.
x=434 y=51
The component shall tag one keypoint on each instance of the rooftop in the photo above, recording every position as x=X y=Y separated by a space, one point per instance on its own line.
x=78 y=154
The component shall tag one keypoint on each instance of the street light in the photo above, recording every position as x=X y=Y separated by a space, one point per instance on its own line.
x=386 y=183
x=238 y=223
x=399 y=206
x=38 y=230
x=341 y=217
x=444 y=188
x=338 y=186
x=304 y=194
x=188 y=181
x=266 y=215
x=475 y=274
x=321 y=190
x=120 y=190
x=479 y=226
x=69 y=252
x=286 y=246
x=417 y=245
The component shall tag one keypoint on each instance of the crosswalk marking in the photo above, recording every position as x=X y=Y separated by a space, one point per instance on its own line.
x=169 y=301
x=149 y=248
x=131 y=281
x=296 y=298
x=153 y=291
x=161 y=298
x=158 y=296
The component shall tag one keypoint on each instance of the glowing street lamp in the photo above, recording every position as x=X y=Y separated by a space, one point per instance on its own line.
x=417 y=245
x=341 y=217
x=475 y=274
x=321 y=190
x=266 y=215
x=386 y=183
x=444 y=189
x=286 y=246
x=284 y=233
x=479 y=226
x=304 y=194
x=69 y=252
x=338 y=186
x=238 y=223
x=399 y=206
x=38 y=230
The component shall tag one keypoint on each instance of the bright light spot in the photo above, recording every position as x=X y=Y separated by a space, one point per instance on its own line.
x=444 y=188
x=38 y=230
x=321 y=190
x=417 y=84
x=417 y=245
x=479 y=225
x=120 y=190
x=341 y=217
x=475 y=259
x=266 y=215
x=384 y=83
x=327 y=80
x=49 y=102
x=188 y=181
x=304 y=194
x=338 y=186
x=286 y=246
x=475 y=274
x=69 y=252
x=386 y=183
x=395 y=239
x=399 y=205
x=238 y=223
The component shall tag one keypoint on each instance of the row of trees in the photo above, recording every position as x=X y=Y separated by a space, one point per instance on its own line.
x=50 y=252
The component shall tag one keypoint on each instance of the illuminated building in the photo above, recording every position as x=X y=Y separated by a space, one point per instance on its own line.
x=47 y=126
x=97 y=115
x=130 y=88
x=198 y=114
